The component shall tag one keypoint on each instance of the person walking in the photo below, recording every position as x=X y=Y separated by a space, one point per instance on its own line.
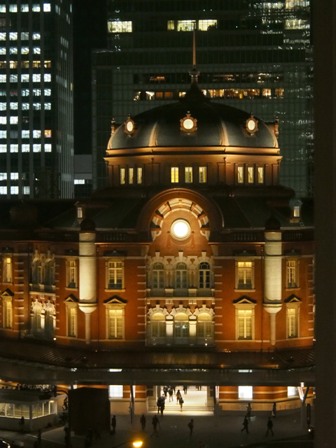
x=143 y=422
x=113 y=424
x=155 y=423
x=181 y=401
x=269 y=427
x=274 y=410
x=191 y=427
x=245 y=425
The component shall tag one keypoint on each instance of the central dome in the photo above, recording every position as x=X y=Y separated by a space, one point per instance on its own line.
x=194 y=121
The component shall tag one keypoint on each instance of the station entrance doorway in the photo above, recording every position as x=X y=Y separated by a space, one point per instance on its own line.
x=196 y=399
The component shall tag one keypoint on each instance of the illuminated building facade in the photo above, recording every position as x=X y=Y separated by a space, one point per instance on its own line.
x=36 y=88
x=193 y=266
x=255 y=55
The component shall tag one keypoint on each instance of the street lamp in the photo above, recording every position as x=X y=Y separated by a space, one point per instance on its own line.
x=137 y=443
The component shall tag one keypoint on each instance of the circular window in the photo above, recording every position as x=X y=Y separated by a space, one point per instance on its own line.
x=180 y=229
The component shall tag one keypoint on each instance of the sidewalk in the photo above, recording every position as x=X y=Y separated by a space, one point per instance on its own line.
x=209 y=431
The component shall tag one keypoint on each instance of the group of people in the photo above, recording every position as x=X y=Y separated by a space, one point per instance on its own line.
x=269 y=424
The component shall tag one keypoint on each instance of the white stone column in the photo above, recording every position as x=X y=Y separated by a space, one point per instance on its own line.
x=87 y=277
x=273 y=278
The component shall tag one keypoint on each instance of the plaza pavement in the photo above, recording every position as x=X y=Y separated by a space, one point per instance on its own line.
x=222 y=431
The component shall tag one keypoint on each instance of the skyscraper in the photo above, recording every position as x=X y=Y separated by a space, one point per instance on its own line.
x=36 y=99
x=255 y=55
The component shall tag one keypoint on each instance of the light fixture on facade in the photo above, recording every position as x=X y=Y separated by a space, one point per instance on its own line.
x=180 y=229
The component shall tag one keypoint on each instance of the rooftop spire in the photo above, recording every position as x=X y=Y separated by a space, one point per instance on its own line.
x=194 y=73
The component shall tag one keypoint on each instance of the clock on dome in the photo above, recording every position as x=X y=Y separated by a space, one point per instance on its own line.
x=251 y=125
x=129 y=126
x=188 y=124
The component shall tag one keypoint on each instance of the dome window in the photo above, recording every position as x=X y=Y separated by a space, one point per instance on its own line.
x=251 y=125
x=129 y=126
x=188 y=124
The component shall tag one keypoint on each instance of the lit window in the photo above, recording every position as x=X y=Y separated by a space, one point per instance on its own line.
x=115 y=323
x=3 y=78
x=174 y=174
x=36 y=77
x=250 y=174
x=139 y=175
x=24 y=8
x=205 y=25
x=7 y=312
x=13 y=8
x=240 y=174
x=202 y=174
x=122 y=176
x=292 y=321
x=36 y=8
x=119 y=26
x=47 y=133
x=260 y=174
x=71 y=319
x=36 y=133
x=115 y=391
x=186 y=25
x=114 y=274
x=244 y=275
x=36 y=36
x=244 y=322
x=71 y=273
x=46 y=7
x=188 y=174
x=36 y=148
x=25 y=148
x=3 y=36
x=7 y=269
x=14 y=148
x=130 y=175
x=14 y=190
x=47 y=147
x=3 y=148
x=171 y=25
x=292 y=273
x=157 y=325
x=13 y=36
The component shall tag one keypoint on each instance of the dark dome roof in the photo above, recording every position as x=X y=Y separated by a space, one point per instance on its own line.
x=217 y=125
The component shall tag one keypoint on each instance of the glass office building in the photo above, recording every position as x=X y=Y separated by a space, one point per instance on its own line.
x=36 y=110
x=255 y=55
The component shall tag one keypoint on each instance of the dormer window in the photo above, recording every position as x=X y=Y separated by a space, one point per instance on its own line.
x=295 y=205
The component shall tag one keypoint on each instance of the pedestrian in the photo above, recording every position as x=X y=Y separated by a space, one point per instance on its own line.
x=143 y=422
x=181 y=401
x=178 y=396
x=245 y=425
x=269 y=427
x=22 y=423
x=113 y=424
x=274 y=410
x=191 y=427
x=171 y=392
x=185 y=389
x=155 y=423
x=248 y=411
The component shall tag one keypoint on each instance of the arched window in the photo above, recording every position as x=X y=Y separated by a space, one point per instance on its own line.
x=157 y=325
x=181 y=278
x=204 y=275
x=49 y=277
x=7 y=311
x=204 y=326
x=71 y=273
x=158 y=276
x=181 y=325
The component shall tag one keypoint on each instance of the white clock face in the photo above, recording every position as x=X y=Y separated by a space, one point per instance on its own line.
x=180 y=229
x=188 y=123
x=251 y=124
x=130 y=126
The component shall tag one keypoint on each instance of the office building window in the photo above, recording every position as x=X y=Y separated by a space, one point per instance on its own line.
x=119 y=26
x=244 y=274
x=114 y=274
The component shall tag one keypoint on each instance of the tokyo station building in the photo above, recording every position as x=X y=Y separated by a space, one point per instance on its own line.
x=194 y=266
